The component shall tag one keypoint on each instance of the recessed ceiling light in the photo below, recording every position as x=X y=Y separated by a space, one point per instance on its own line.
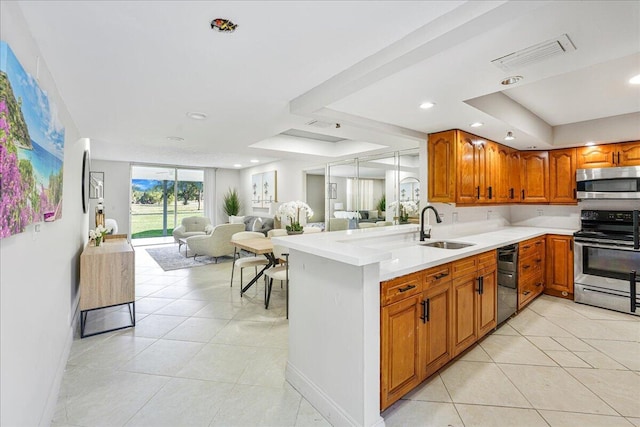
x=509 y=136
x=427 y=105
x=476 y=124
x=254 y=161
x=196 y=115
x=175 y=138
x=511 y=80
x=635 y=80
x=531 y=147
x=590 y=143
x=237 y=165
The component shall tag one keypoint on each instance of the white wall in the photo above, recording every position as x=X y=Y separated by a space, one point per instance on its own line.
x=39 y=271
x=117 y=193
x=291 y=183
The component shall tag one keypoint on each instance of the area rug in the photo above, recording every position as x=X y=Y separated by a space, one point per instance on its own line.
x=169 y=258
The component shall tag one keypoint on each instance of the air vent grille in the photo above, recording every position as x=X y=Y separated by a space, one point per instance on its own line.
x=534 y=54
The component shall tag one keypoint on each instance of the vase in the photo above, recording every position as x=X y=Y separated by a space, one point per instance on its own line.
x=294 y=232
x=98 y=240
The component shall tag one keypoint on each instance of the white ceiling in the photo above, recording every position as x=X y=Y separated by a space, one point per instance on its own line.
x=130 y=71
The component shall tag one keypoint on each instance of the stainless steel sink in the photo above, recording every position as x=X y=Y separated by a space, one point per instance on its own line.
x=443 y=244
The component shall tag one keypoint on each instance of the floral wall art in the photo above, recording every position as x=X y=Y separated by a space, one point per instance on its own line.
x=31 y=149
x=264 y=189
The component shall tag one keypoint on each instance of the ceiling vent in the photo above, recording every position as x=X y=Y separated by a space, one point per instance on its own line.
x=535 y=54
x=321 y=124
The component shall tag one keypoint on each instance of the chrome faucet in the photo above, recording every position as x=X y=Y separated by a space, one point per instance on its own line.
x=427 y=235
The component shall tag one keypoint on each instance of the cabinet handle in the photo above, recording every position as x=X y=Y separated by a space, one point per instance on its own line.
x=632 y=289
x=539 y=284
x=526 y=247
x=480 y=285
x=425 y=311
x=478 y=192
x=490 y=192
x=524 y=267
x=406 y=288
x=618 y=157
x=539 y=260
x=440 y=276
x=511 y=194
x=539 y=243
x=525 y=293
x=522 y=194
x=613 y=158
x=575 y=193
x=571 y=245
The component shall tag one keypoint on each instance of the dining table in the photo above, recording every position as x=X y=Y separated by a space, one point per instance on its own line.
x=257 y=246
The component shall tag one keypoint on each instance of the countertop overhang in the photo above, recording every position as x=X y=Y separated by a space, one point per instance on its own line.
x=397 y=248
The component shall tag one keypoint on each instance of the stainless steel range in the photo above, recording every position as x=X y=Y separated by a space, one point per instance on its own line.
x=607 y=260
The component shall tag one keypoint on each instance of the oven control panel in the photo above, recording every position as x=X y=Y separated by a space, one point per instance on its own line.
x=607 y=216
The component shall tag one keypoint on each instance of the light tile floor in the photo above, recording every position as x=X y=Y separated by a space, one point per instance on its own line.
x=201 y=355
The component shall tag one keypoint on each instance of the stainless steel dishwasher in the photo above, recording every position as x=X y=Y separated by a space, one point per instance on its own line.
x=507 y=281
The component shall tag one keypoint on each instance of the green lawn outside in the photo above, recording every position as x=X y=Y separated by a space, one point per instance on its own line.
x=146 y=220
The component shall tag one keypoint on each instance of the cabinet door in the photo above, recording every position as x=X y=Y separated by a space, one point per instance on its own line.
x=559 y=266
x=629 y=154
x=442 y=167
x=491 y=172
x=399 y=348
x=467 y=169
x=465 y=315
x=562 y=176
x=436 y=333
x=515 y=186
x=534 y=178
x=597 y=156
x=503 y=170
x=487 y=303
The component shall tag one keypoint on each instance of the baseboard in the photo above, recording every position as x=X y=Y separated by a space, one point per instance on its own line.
x=52 y=400
x=329 y=409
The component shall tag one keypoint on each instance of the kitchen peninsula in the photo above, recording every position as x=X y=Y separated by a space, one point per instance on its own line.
x=334 y=308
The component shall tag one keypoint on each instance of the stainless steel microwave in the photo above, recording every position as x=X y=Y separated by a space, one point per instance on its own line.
x=608 y=183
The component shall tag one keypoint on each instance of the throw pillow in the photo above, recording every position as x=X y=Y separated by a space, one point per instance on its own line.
x=257 y=225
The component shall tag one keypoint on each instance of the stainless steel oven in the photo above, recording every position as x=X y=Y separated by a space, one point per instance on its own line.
x=607 y=260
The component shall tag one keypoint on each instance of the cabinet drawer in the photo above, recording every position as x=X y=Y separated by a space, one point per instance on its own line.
x=436 y=275
x=531 y=246
x=464 y=266
x=400 y=288
x=529 y=290
x=531 y=266
x=487 y=260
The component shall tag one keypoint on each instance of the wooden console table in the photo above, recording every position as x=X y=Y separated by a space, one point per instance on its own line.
x=107 y=279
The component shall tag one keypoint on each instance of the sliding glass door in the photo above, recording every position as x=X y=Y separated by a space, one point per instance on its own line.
x=161 y=196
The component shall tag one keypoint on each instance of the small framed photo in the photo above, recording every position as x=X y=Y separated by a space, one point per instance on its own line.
x=333 y=190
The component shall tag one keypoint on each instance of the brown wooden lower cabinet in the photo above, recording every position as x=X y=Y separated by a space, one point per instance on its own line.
x=559 y=272
x=531 y=270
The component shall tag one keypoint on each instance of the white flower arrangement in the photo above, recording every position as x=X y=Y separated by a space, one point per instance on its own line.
x=98 y=234
x=409 y=207
x=292 y=210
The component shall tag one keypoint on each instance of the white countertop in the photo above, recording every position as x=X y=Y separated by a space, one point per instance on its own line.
x=397 y=250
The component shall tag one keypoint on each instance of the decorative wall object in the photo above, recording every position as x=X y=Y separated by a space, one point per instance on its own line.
x=332 y=191
x=96 y=181
x=86 y=166
x=264 y=189
x=31 y=149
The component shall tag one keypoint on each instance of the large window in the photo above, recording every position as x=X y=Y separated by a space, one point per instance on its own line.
x=161 y=197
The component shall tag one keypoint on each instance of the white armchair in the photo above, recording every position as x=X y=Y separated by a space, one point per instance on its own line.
x=216 y=244
x=192 y=226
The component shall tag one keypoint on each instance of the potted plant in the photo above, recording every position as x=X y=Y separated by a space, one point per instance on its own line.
x=231 y=203
x=382 y=206
x=292 y=210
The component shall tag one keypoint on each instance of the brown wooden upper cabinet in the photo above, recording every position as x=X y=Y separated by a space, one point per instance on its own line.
x=562 y=176
x=463 y=168
x=609 y=155
x=534 y=176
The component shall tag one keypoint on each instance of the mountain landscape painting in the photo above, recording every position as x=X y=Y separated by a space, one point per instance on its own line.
x=31 y=149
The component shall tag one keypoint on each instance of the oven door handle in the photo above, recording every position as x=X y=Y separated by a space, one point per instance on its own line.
x=632 y=289
x=586 y=242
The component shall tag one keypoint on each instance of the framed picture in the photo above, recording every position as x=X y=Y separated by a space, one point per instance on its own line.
x=96 y=184
x=264 y=189
x=333 y=190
